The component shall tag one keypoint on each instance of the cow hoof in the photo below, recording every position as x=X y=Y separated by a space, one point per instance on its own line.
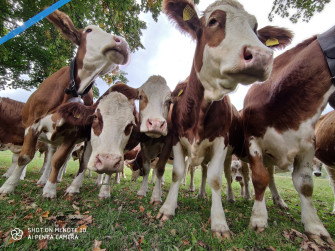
x=163 y=217
x=201 y=196
x=72 y=190
x=320 y=240
x=231 y=200
x=281 y=204
x=258 y=229
x=41 y=182
x=155 y=202
x=104 y=195
x=5 y=175
x=49 y=190
x=5 y=189
x=222 y=235
x=141 y=194
x=191 y=189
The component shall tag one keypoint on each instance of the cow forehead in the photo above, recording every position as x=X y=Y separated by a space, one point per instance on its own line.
x=156 y=86
x=232 y=9
x=115 y=105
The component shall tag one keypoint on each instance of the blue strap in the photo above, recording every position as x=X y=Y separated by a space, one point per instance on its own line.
x=33 y=20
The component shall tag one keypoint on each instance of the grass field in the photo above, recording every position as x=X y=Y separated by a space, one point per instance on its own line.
x=127 y=222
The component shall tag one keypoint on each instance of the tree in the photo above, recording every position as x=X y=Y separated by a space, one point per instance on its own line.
x=35 y=54
x=304 y=9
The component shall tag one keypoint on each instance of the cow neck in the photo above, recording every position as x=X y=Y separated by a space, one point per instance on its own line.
x=75 y=84
x=196 y=109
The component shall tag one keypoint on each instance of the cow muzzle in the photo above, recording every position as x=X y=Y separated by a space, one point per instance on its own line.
x=238 y=178
x=108 y=163
x=156 y=128
x=257 y=61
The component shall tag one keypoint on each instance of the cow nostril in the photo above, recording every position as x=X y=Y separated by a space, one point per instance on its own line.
x=150 y=123
x=162 y=125
x=247 y=54
x=116 y=39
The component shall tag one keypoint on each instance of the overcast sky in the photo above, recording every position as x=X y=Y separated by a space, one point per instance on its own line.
x=169 y=53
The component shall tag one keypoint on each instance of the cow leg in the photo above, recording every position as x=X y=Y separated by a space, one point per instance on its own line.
x=26 y=155
x=62 y=170
x=117 y=178
x=152 y=181
x=219 y=225
x=331 y=174
x=246 y=178
x=202 y=190
x=170 y=204
x=242 y=189
x=191 y=187
x=124 y=174
x=105 y=190
x=58 y=159
x=303 y=183
x=78 y=180
x=260 y=180
x=23 y=174
x=156 y=196
x=99 y=179
x=227 y=173
x=45 y=161
x=47 y=165
x=11 y=169
x=144 y=185
x=277 y=199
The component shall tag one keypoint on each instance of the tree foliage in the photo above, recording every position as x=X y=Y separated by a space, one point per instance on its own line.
x=35 y=54
x=302 y=9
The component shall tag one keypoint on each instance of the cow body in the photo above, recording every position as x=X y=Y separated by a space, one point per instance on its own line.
x=279 y=117
x=98 y=53
x=325 y=145
x=202 y=116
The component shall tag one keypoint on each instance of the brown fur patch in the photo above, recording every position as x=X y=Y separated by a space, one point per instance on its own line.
x=215 y=184
x=174 y=177
x=325 y=139
x=143 y=100
x=292 y=94
x=307 y=190
x=98 y=123
x=174 y=10
x=284 y=36
x=11 y=126
x=64 y=23
x=76 y=114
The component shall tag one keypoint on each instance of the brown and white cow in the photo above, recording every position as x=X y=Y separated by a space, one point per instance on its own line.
x=106 y=126
x=325 y=146
x=154 y=106
x=240 y=173
x=279 y=117
x=11 y=130
x=98 y=53
x=228 y=52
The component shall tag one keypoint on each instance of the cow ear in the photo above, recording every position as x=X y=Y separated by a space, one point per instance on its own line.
x=129 y=92
x=275 y=37
x=64 y=23
x=183 y=13
x=76 y=114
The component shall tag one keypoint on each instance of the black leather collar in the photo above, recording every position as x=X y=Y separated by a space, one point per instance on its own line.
x=327 y=44
x=72 y=88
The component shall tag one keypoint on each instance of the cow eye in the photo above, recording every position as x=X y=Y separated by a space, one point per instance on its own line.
x=128 y=128
x=212 y=22
x=88 y=30
x=140 y=97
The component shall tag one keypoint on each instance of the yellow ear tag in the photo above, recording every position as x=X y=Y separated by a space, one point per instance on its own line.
x=180 y=92
x=188 y=13
x=77 y=116
x=271 y=42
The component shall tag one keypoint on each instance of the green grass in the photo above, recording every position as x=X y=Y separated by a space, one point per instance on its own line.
x=127 y=222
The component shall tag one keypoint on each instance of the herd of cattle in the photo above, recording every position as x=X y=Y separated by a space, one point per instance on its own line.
x=195 y=124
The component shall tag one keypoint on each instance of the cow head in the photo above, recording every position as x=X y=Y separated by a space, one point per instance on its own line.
x=228 y=49
x=111 y=128
x=154 y=104
x=98 y=51
x=317 y=167
x=236 y=170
